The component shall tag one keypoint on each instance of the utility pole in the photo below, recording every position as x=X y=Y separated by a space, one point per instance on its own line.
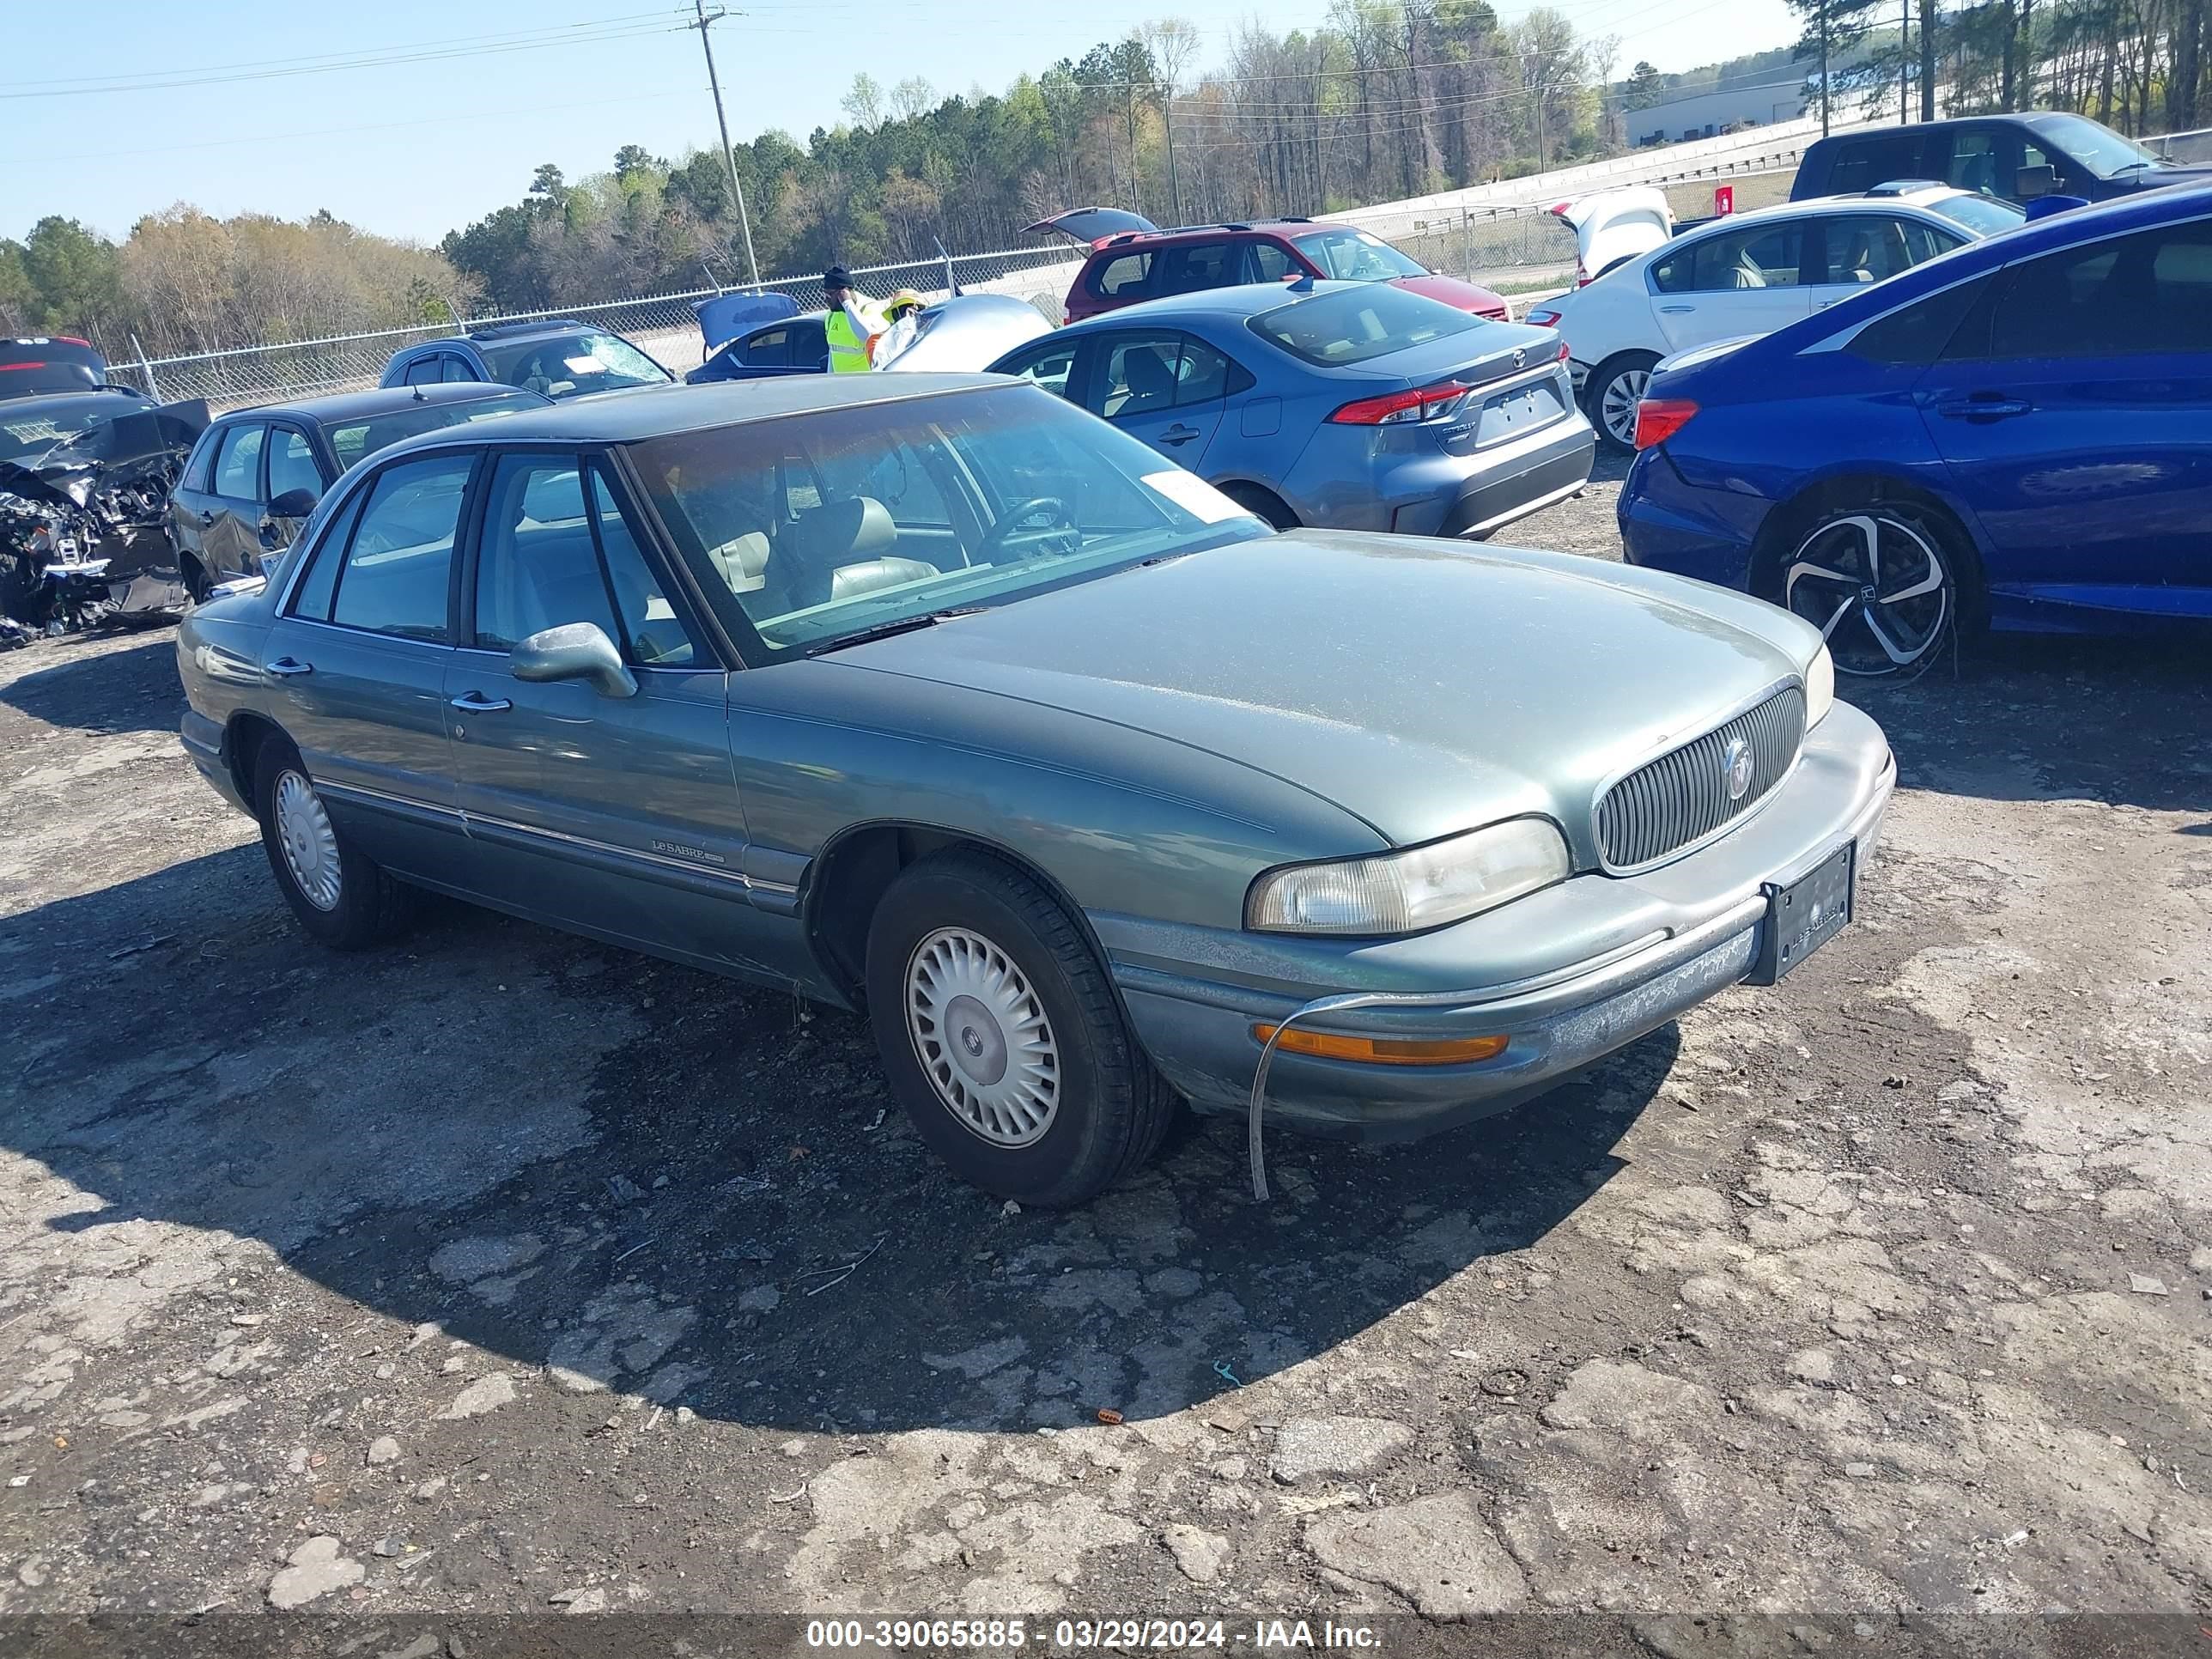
x=1823 y=74
x=1903 y=61
x=729 y=156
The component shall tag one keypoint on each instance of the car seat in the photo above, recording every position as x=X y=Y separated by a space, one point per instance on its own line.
x=835 y=550
x=1150 y=383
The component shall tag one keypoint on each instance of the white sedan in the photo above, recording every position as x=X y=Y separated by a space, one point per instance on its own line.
x=1749 y=274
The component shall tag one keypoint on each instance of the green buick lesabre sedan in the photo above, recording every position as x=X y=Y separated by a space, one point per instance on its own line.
x=936 y=696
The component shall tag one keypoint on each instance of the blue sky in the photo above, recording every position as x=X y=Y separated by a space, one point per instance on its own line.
x=464 y=98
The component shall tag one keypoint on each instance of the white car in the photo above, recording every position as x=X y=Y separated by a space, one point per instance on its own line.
x=1749 y=273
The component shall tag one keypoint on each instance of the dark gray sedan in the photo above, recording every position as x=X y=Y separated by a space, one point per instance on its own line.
x=936 y=696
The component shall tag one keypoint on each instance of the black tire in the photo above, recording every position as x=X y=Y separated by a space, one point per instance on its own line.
x=196 y=578
x=1886 y=582
x=367 y=906
x=1109 y=1109
x=1626 y=372
x=1263 y=503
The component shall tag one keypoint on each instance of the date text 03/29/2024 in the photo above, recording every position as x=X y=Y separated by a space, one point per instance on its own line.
x=1147 y=1635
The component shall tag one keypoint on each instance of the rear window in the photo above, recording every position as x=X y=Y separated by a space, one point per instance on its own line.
x=1985 y=216
x=1357 y=325
x=352 y=440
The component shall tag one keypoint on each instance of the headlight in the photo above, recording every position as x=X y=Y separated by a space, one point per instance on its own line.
x=1405 y=892
x=1820 y=688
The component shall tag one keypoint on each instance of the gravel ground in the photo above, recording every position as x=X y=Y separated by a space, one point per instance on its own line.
x=497 y=1271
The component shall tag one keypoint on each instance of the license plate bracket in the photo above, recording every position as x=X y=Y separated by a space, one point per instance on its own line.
x=1807 y=914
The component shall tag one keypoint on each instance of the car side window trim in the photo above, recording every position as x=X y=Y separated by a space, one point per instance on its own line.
x=714 y=655
x=346 y=518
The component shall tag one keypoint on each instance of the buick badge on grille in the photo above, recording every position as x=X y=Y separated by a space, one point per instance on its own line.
x=1736 y=768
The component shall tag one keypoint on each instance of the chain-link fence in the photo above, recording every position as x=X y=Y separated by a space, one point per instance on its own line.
x=664 y=326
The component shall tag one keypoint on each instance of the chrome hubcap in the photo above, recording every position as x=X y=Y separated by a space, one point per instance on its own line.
x=982 y=1037
x=1616 y=407
x=310 y=845
x=1876 y=588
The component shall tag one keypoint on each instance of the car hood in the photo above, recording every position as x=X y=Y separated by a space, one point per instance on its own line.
x=1422 y=686
x=1460 y=296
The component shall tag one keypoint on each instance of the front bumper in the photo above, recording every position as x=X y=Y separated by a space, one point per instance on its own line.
x=1674 y=936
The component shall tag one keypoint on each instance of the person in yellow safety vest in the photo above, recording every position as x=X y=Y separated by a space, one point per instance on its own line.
x=852 y=324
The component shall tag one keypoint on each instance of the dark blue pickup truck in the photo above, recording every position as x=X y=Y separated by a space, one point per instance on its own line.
x=2018 y=157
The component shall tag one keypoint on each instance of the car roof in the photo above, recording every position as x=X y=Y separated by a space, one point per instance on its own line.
x=40 y=403
x=629 y=416
x=1237 y=302
x=379 y=400
x=537 y=329
x=1130 y=238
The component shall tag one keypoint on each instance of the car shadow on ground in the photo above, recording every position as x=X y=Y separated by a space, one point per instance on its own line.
x=657 y=1181
x=131 y=688
x=2030 y=717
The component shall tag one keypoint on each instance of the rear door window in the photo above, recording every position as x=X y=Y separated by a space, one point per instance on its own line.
x=1192 y=267
x=2125 y=296
x=238 y=463
x=1757 y=256
x=399 y=559
x=1861 y=163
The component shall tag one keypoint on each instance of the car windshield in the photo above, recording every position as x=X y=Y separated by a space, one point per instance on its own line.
x=2096 y=146
x=1985 y=216
x=351 y=440
x=1353 y=256
x=810 y=530
x=26 y=434
x=1353 y=325
x=568 y=365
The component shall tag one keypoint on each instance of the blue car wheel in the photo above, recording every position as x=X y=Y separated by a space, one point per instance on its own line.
x=1880 y=585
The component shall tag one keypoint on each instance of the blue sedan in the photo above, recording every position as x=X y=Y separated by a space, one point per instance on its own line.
x=2017 y=435
x=1336 y=405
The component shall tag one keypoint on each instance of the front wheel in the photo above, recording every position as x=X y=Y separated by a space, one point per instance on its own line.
x=1000 y=1035
x=343 y=898
x=1881 y=584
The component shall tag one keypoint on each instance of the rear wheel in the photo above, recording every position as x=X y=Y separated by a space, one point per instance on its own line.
x=1882 y=583
x=1610 y=396
x=343 y=898
x=1000 y=1035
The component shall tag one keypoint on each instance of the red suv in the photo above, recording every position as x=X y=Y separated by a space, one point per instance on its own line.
x=1132 y=260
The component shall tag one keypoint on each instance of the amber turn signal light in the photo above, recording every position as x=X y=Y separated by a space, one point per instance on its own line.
x=1384 y=1051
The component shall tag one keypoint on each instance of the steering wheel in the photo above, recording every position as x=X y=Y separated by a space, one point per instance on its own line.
x=1013 y=522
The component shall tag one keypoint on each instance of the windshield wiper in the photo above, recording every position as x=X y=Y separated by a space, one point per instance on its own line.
x=883 y=630
x=2130 y=167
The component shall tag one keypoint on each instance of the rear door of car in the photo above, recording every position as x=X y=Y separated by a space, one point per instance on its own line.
x=1847 y=253
x=194 y=496
x=230 y=519
x=357 y=664
x=2074 y=410
x=615 y=814
x=1163 y=387
x=1737 y=280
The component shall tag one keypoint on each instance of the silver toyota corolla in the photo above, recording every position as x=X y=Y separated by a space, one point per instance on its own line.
x=936 y=696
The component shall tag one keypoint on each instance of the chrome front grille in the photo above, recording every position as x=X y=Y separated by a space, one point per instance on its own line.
x=1681 y=798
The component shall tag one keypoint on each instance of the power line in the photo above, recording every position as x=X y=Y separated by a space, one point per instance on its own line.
x=575 y=35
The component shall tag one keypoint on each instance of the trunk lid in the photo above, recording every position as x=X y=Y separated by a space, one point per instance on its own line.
x=1090 y=225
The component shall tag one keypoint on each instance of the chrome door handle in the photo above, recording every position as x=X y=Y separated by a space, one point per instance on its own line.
x=475 y=703
x=1676 y=311
x=285 y=668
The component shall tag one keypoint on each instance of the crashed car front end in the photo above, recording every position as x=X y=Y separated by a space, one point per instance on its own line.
x=84 y=535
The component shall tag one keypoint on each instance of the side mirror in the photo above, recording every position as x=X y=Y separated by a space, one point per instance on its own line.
x=294 y=504
x=574 y=651
x=2029 y=182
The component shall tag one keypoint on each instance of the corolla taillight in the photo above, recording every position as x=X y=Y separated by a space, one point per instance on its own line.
x=1424 y=403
